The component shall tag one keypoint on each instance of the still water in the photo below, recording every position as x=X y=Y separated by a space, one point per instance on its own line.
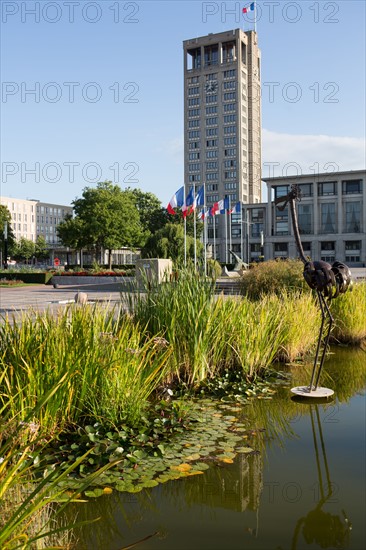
x=303 y=489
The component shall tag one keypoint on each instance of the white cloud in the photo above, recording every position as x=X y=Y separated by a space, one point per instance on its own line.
x=289 y=154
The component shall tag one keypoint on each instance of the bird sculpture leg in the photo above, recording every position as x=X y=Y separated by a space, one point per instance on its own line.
x=324 y=309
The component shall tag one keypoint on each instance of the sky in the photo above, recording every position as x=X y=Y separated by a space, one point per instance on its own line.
x=93 y=91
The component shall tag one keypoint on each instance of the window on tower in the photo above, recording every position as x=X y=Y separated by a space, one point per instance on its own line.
x=228 y=52
x=211 y=55
x=194 y=58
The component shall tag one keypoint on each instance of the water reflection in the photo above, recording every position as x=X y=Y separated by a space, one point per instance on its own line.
x=297 y=491
x=318 y=526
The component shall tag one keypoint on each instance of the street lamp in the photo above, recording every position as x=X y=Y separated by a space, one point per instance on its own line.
x=5 y=245
x=262 y=246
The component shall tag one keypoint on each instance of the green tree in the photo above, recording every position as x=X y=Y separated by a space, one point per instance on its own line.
x=109 y=218
x=168 y=242
x=24 y=249
x=41 y=251
x=71 y=232
x=5 y=216
x=152 y=215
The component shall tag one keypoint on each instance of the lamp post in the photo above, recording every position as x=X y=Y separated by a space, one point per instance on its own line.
x=6 y=245
x=262 y=246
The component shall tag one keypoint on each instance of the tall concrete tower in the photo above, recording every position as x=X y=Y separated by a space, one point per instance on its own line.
x=222 y=123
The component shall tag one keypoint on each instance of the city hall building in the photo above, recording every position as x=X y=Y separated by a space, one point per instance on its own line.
x=331 y=218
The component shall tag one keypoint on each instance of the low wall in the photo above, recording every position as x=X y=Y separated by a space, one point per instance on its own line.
x=70 y=280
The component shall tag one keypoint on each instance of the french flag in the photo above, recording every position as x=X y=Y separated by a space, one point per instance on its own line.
x=236 y=209
x=215 y=209
x=202 y=214
x=224 y=205
x=188 y=206
x=199 y=199
x=249 y=8
x=176 y=201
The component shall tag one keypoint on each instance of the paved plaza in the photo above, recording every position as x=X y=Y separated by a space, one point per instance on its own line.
x=44 y=297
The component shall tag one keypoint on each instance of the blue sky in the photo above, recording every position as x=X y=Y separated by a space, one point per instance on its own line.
x=107 y=81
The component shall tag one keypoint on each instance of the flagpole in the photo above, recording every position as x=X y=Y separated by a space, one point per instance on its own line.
x=205 y=240
x=195 y=242
x=230 y=214
x=204 y=230
x=255 y=17
x=225 y=216
x=185 y=242
x=214 y=236
x=241 y=233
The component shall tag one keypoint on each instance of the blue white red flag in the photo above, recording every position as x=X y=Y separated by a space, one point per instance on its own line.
x=214 y=209
x=199 y=199
x=176 y=201
x=187 y=206
x=236 y=209
x=224 y=205
x=249 y=8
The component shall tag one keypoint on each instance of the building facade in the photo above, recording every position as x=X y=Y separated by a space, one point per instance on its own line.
x=222 y=122
x=23 y=217
x=331 y=217
x=32 y=218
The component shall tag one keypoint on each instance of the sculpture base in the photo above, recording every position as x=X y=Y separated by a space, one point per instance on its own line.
x=304 y=391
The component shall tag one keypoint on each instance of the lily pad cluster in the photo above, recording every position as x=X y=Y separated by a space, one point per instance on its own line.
x=142 y=460
x=234 y=386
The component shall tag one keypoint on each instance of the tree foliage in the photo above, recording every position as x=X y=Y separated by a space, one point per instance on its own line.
x=24 y=249
x=168 y=242
x=106 y=218
x=152 y=215
x=5 y=216
x=40 y=250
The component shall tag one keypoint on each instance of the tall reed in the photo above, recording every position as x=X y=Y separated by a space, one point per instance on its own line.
x=349 y=312
x=181 y=313
x=97 y=352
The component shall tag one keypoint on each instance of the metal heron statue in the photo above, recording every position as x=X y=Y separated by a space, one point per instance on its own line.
x=328 y=281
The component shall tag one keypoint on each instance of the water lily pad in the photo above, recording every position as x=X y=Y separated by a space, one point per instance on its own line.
x=194 y=456
x=200 y=466
x=94 y=494
x=244 y=450
x=149 y=483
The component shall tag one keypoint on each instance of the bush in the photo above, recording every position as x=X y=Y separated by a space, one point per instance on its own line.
x=31 y=277
x=213 y=269
x=273 y=277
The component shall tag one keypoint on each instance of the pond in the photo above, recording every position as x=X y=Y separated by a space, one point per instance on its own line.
x=304 y=488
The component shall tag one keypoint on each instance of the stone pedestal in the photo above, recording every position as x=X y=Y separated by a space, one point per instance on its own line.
x=153 y=270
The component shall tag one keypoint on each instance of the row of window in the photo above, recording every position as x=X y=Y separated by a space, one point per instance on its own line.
x=195 y=134
x=212 y=98
x=231 y=73
x=349 y=187
x=328 y=222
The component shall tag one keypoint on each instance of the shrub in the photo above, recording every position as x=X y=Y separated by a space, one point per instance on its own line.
x=273 y=277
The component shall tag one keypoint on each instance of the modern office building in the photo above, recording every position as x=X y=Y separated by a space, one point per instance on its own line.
x=222 y=122
x=331 y=217
x=23 y=217
x=31 y=218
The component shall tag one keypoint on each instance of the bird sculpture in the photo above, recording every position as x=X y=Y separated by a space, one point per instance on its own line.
x=328 y=281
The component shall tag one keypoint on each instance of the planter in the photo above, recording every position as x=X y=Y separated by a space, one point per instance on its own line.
x=71 y=280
